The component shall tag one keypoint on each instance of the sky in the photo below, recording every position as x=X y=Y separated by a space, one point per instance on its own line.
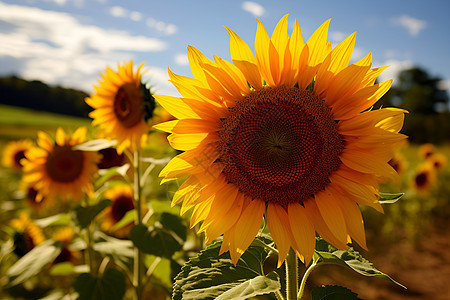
x=70 y=42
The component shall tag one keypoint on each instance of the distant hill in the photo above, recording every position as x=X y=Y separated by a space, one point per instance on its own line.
x=39 y=96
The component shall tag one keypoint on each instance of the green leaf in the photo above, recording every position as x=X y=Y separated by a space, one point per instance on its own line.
x=210 y=276
x=62 y=269
x=59 y=219
x=155 y=241
x=333 y=292
x=326 y=253
x=95 y=145
x=33 y=262
x=85 y=214
x=387 y=198
x=110 y=286
x=121 y=251
x=129 y=217
x=173 y=223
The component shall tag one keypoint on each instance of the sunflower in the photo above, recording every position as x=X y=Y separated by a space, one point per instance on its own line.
x=122 y=202
x=31 y=198
x=111 y=158
x=287 y=134
x=27 y=236
x=424 y=178
x=122 y=105
x=438 y=160
x=56 y=169
x=398 y=162
x=14 y=152
x=65 y=236
x=425 y=150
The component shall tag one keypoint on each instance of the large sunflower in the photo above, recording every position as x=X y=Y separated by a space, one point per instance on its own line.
x=287 y=134
x=14 y=152
x=56 y=169
x=122 y=105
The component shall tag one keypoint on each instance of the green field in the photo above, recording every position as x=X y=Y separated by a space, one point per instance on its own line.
x=18 y=123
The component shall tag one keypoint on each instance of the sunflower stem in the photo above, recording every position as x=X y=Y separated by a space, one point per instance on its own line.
x=291 y=263
x=305 y=277
x=90 y=251
x=138 y=263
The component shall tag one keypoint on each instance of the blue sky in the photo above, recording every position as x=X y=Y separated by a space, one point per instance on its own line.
x=69 y=42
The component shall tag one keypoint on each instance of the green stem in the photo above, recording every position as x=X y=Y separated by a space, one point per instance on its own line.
x=279 y=295
x=138 y=263
x=305 y=277
x=90 y=251
x=291 y=263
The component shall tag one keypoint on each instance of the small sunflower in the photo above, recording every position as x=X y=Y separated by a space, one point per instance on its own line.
x=424 y=178
x=65 y=236
x=56 y=169
x=425 y=150
x=14 y=152
x=122 y=106
x=111 y=158
x=27 y=236
x=286 y=133
x=122 y=201
x=398 y=162
x=31 y=198
x=438 y=160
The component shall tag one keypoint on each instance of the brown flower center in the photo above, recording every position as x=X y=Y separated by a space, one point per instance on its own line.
x=421 y=179
x=17 y=157
x=129 y=105
x=121 y=206
x=280 y=145
x=64 y=164
x=110 y=158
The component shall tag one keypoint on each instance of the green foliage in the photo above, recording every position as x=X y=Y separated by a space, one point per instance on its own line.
x=110 y=286
x=389 y=198
x=85 y=214
x=156 y=241
x=210 y=276
x=328 y=254
x=333 y=292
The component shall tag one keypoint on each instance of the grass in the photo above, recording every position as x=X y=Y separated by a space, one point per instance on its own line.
x=18 y=122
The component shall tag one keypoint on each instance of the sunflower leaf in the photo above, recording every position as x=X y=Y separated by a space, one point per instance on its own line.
x=388 y=198
x=111 y=285
x=95 y=145
x=33 y=262
x=210 y=276
x=156 y=241
x=85 y=214
x=333 y=292
x=326 y=253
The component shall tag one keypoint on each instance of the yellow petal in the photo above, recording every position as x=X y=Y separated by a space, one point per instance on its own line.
x=280 y=229
x=317 y=44
x=302 y=230
x=191 y=141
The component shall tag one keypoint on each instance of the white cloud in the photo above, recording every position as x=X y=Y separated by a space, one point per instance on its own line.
x=162 y=27
x=413 y=25
x=337 y=36
x=56 y=48
x=135 y=16
x=254 y=8
x=159 y=80
x=395 y=67
x=444 y=85
x=181 y=59
x=118 y=11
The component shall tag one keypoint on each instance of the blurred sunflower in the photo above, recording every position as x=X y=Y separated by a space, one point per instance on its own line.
x=438 y=160
x=122 y=106
x=31 y=200
x=14 y=152
x=27 y=236
x=425 y=150
x=56 y=169
x=65 y=236
x=281 y=134
x=424 y=178
x=122 y=202
x=398 y=162
x=111 y=158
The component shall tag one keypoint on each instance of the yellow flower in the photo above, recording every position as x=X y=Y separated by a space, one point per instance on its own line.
x=14 y=152
x=398 y=162
x=122 y=105
x=438 y=160
x=65 y=236
x=426 y=150
x=28 y=235
x=424 y=178
x=284 y=133
x=55 y=169
x=122 y=202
